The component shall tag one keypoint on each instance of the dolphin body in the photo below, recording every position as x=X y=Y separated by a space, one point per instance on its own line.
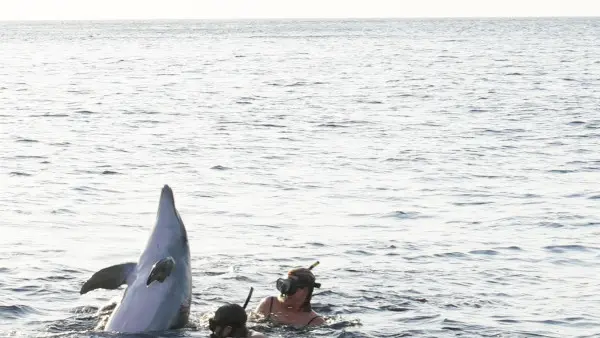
x=159 y=286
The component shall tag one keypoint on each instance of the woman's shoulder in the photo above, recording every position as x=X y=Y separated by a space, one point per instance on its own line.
x=264 y=305
x=316 y=319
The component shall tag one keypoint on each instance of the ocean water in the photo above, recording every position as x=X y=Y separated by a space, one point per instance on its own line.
x=445 y=172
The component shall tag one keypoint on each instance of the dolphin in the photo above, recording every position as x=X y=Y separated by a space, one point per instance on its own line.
x=159 y=285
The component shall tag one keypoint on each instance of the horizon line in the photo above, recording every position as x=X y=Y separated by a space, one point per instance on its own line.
x=307 y=18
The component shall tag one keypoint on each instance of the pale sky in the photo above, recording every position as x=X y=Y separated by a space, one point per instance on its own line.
x=233 y=9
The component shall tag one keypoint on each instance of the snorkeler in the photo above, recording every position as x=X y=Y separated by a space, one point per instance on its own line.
x=292 y=306
x=230 y=321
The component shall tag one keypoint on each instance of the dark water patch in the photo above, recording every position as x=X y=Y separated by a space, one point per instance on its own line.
x=23 y=157
x=394 y=308
x=297 y=84
x=371 y=226
x=28 y=289
x=528 y=195
x=419 y=318
x=84 y=309
x=16 y=311
x=53 y=251
x=231 y=122
x=270 y=125
x=412 y=258
x=393 y=159
x=146 y=121
x=569 y=262
x=342 y=324
x=26 y=140
x=84 y=187
x=219 y=167
x=242 y=214
x=250 y=98
x=484 y=252
x=317 y=244
x=351 y=270
x=110 y=172
x=451 y=255
x=566 y=248
x=512 y=248
x=403 y=215
x=508 y=321
x=266 y=226
x=551 y=225
x=240 y=279
x=487 y=176
x=588 y=224
x=595 y=197
x=63 y=211
x=561 y=171
x=19 y=173
x=49 y=115
x=361 y=215
x=370 y=102
x=359 y=252
x=214 y=273
x=56 y=278
x=460 y=204
x=493 y=131
x=576 y=123
x=332 y=125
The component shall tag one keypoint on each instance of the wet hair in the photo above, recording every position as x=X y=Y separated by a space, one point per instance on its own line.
x=306 y=277
x=231 y=315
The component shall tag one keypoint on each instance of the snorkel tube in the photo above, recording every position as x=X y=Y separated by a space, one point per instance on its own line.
x=248 y=298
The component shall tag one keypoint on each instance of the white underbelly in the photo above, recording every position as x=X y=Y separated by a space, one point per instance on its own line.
x=153 y=308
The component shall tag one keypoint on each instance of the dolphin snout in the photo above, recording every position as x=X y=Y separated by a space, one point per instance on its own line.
x=166 y=192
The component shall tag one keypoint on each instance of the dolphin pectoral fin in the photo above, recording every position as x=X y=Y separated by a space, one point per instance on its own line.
x=161 y=270
x=109 y=278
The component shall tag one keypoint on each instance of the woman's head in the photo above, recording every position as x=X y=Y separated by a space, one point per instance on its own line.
x=298 y=288
x=229 y=321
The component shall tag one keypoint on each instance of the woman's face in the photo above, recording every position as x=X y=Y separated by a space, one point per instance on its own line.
x=298 y=297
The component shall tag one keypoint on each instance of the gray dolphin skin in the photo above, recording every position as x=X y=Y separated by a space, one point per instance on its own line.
x=159 y=286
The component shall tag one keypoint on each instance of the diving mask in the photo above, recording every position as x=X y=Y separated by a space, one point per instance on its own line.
x=289 y=286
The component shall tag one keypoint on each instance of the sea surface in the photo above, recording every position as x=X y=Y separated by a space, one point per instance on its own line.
x=445 y=172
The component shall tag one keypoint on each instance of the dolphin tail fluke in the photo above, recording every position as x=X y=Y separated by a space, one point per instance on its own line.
x=109 y=278
x=161 y=270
